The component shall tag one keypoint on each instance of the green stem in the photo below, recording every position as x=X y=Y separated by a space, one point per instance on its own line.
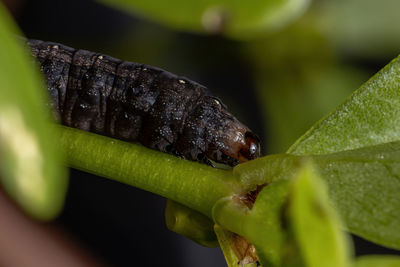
x=192 y=184
x=190 y=223
x=230 y=214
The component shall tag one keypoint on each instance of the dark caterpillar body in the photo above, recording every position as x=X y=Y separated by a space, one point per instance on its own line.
x=136 y=102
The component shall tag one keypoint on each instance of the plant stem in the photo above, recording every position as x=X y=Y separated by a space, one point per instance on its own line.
x=192 y=184
x=190 y=223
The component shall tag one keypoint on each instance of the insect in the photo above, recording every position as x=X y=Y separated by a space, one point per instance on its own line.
x=136 y=102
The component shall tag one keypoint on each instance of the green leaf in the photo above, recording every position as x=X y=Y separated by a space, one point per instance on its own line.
x=297 y=84
x=190 y=223
x=233 y=18
x=378 y=261
x=304 y=229
x=370 y=116
x=314 y=222
x=30 y=165
x=291 y=104
x=365 y=190
x=291 y=222
x=261 y=225
x=362 y=28
x=363 y=184
x=264 y=227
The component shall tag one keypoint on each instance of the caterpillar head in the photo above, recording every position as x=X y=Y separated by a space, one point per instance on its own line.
x=210 y=132
x=230 y=141
x=235 y=145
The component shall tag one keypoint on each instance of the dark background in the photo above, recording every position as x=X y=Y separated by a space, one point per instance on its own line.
x=122 y=225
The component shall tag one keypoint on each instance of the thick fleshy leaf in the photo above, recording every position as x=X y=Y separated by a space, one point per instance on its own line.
x=190 y=223
x=370 y=116
x=233 y=18
x=261 y=225
x=31 y=165
x=363 y=184
x=291 y=222
x=265 y=227
x=306 y=227
x=315 y=225
x=365 y=191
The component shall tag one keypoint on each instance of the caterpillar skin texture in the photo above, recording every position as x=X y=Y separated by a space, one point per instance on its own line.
x=136 y=102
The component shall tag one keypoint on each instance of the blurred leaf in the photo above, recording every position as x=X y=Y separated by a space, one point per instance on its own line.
x=306 y=228
x=265 y=228
x=190 y=223
x=297 y=84
x=293 y=103
x=233 y=18
x=30 y=166
x=370 y=116
x=378 y=261
x=144 y=43
x=366 y=28
x=314 y=222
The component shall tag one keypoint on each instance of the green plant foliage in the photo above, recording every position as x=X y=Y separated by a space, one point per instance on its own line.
x=314 y=223
x=363 y=188
x=370 y=116
x=363 y=185
x=355 y=149
x=30 y=167
x=378 y=261
x=190 y=223
x=297 y=84
x=265 y=228
x=291 y=222
x=292 y=104
x=261 y=225
x=364 y=28
x=234 y=18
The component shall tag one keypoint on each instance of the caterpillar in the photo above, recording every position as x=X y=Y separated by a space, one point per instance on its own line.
x=140 y=103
